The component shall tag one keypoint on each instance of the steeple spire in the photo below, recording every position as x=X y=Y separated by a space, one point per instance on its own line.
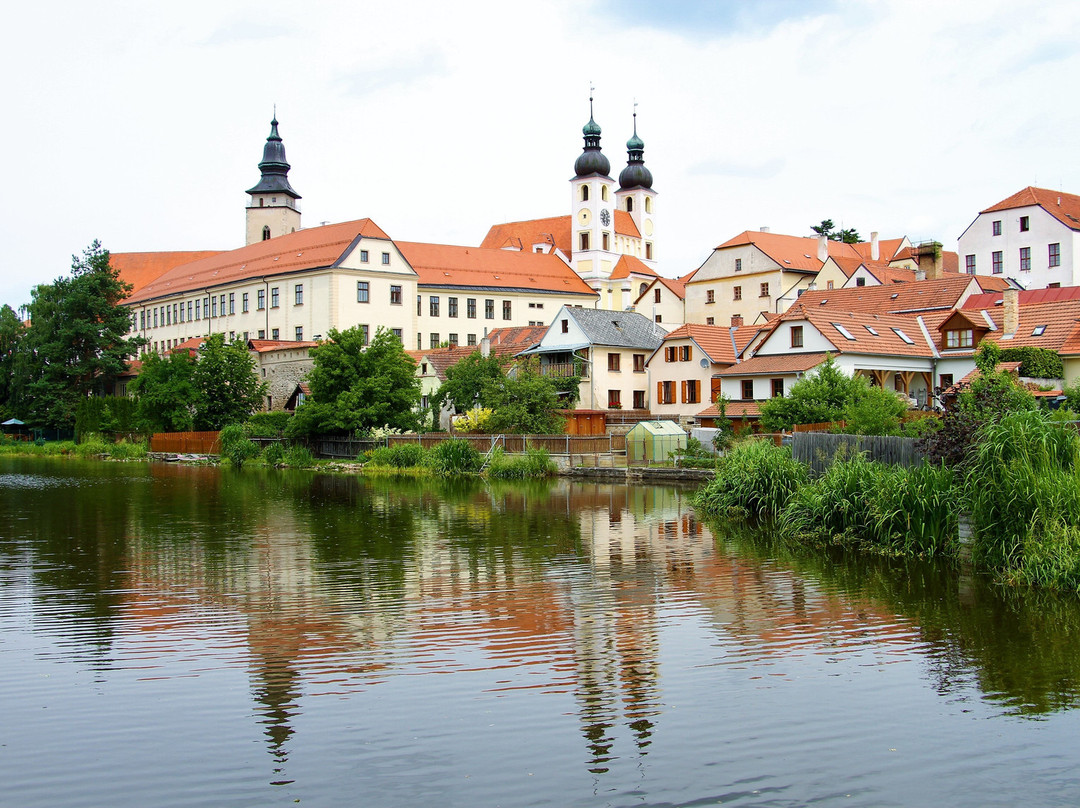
x=274 y=166
x=635 y=175
x=591 y=160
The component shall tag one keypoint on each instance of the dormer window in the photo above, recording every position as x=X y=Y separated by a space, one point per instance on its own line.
x=961 y=338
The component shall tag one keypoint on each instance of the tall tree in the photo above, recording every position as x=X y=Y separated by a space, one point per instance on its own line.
x=828 y=229
x=465 y=381
x=357 y=387
x=226 y=388
x=11 y=335
x=524 y=401
x=77 y=337
x=165 y=392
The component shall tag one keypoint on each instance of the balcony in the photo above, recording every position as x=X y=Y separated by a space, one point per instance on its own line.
x=562 y=370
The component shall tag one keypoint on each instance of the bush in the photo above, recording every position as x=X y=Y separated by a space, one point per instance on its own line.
x=274 y=454
x=298 y=457
x=754 y=477
x=887 y=509
x=127 y=450
x=401 y=456
x=1036 y=363
x=454 y=457
x=91 y=445
x=235 y=445
x=533 y=464
x=268 y=424
x=475 y=420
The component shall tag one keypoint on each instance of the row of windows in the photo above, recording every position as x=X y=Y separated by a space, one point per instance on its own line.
x=583 y=195
x=736 y=293
x=997 y=259
x=585 y=243
x=690 y=389
x=434 y=340
x=206 y=308
x=777 y=387
x=614 y=363
x=614 y=399
x=1025 y=225
x=434 y=305
x=678 y=353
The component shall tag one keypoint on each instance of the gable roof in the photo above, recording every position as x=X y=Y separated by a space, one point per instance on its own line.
x=790 y=252
x=141 y=268
x=486 y=268
x=1058 y=317
x=1062 y=206
x=312 y=248
x=943 y=293
x=512 y=339
x=717 y=342
x=887 y=248
x=628 y=265
x=618 y=329
x=554 y=230
x=261 y=346
x=867 y=333
x=776 y=363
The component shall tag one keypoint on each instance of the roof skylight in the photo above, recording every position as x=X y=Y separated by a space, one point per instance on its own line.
x=843 y=331
x=1039 y=331
x=871 y=330
x=903 y=336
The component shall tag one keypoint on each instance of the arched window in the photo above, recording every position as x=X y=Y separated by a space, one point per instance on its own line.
x=642 y=288
x=603 y=192
x=648 y=204
x=266 y=232
x=629 y=205
x=584 y=193
x=262 y=202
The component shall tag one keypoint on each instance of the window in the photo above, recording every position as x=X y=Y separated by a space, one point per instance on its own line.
x=433 y=338
x=506 y=309
x=451 y=307
x=656 y=295
x=1038 y=331
x=386 y=259
x=155 y=317
x=764 y=290
x=266 y=228
x=262 y=333
x=603 y=193
x=364 y=334
x=691 y=391
x=969 y=264
x=363 y=292
x=710 y=296
x=260 y=300
x=275 y=333
x=299 y=333
x=639 y=363
x=244 y=303
x=684 y=353
x=736 y=293
x=213 y=306
x=639 y=399
x=189 y=310
x=167 y=317
x=470 y=339
x=395 y=295
x=583 y=241
x=614 y=399
x=1055 y=255
x=584 y=193
x=433 y=305
x=274 y=297
x=605 y=241
x=945 y=381
x=665 y=392
x=959 y=339
x=648 y=250
x=996 y=264
x=453 y=340
x=613 y=360
x=738 y=265
x=996 y=232
x=397 y=333
x=1024 y=224
x=710 y=321
x=363 y=256
x=223 y=305
x=860 y=281
x=629 y=204
x=777 y=388
x=489 y=309
x=903 y=336
x=796 y=336
x=1025 y=259
x=843 y=331
x=470 y=308
x=566 y=326
x=419 y=305
x=198 y=312
x=648 y=205
x=657 y=318
x=298 y=295
x=747 y=389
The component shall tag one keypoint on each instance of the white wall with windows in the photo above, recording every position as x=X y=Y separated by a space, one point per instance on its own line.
x=1025 y=244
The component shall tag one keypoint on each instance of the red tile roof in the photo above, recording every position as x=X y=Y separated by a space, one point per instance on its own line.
x=734 y=409
x=262 y=346
x=872 y=334
x=189 y=346
x=1025 y=297
x=305 y=249
x=778 y=363
x=1062 y=206
x=515 y=339
x=887 y=249
x=1059 y=318
x=943 y=293
x=447 y=265
x=141 y=268
x=628 y=265
x=716 y=341
x=554 y=230
x=790 y=252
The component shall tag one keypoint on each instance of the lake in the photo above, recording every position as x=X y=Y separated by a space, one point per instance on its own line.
x=189 y=636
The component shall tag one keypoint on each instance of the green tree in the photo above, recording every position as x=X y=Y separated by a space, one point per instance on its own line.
x=12 y=332
x=873 y=411
x=813 y=399
x=465 y=381
x=355 y=388
x=828 y=229
x=165 y=393
x=523 y=401
x=226 y=388
x=77 y=338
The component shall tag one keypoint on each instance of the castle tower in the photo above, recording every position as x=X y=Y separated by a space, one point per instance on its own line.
x=636 y=195
x=592 y=206
x=272 y=210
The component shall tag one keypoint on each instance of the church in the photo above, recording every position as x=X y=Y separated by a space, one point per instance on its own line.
x=288 y=283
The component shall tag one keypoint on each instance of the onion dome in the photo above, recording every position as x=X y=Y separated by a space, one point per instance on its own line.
x=591 y=160
x=274 y=167
x=635 y=175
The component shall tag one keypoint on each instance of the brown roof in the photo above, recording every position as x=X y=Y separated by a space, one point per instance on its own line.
x=887 y=248
x=189 y=346
x=778 y=363
x=943 y=293
x=305 y=249
x=1058 y=319
x=482 y=267
x=716 y=341
x=1062 y=206
x=790 y=252
x=262 y=346
x=874 y=334
x=554 y=230
x=141 y=268
x=629 y=265
x=734 y=409
x=515 y=339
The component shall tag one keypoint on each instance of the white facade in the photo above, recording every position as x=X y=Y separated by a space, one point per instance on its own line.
x=997 y=241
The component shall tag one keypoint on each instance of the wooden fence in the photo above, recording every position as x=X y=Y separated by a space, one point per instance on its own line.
x=185 y=442
x=819 y=449
x=553 y=444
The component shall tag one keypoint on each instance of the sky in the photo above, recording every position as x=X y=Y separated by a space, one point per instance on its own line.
x=142 y=124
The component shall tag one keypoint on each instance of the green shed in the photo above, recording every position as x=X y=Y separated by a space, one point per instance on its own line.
x=654 y=441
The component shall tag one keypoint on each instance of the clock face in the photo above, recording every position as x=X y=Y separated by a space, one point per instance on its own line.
x=605 y=217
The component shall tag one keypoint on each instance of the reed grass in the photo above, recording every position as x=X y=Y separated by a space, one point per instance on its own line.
x=753 y=477
x=534 y=464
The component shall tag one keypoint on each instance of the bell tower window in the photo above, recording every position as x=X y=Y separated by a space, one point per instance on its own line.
x=584 y=241
x=584 y=193
x=603 y=192
x=262 y=202
x=648 y=205
x=266 y=233
x=629 y=205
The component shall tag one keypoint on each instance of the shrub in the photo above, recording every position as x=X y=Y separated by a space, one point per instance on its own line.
x=298 y=457
x=534 y=463
x=454 y=457
x=274 y=454
x=755 y=477
x=401 y=456
x=475 y=420
x=267 y=424
x=91 y=446
x=235 y=445
x=1037 y=363
x=127 y=450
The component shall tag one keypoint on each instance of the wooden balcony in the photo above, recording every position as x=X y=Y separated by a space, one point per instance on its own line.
x=562 y=370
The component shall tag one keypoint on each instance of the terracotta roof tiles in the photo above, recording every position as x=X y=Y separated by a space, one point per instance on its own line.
x=141 y=268
x=777 y=363
x=1062 y=206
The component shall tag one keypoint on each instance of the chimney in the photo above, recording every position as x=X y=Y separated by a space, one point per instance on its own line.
x=736 y=320
x=875 y=249
x=766 y=230
x=485 y=347
x=822 y=248
x=1010 y=302
x=928 y=254
x=920 y=274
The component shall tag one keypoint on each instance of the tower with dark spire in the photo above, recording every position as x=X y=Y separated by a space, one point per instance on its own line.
x=273 y=208
x=636 y=195
x=592 y=204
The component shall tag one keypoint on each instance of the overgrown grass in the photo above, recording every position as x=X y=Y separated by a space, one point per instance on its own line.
x=454 y=457
x=754 y=477
x=872 y=506
x=534 y=464
x=298 y=457
x=91 y=446
x=401 y=456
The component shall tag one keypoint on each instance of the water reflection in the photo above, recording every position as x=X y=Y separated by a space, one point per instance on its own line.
x=344 y=590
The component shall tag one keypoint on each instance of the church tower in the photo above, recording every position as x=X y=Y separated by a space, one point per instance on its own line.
x=636 y=195
x=592 y=206
x=272 y=210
